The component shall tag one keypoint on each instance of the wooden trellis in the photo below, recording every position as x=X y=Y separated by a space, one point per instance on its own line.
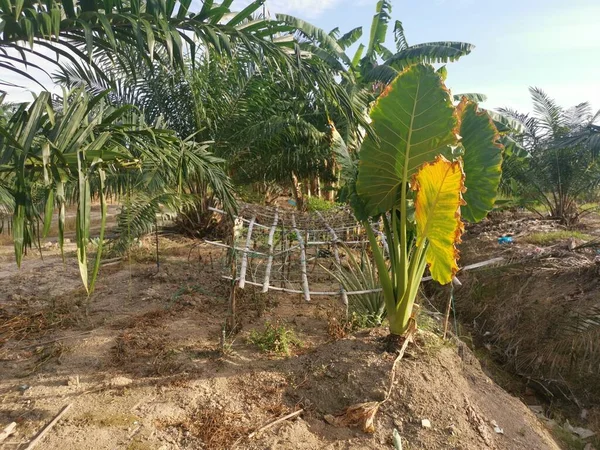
x=284 y=250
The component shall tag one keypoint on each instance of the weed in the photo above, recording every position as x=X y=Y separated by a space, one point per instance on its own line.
x=554 y=237
x=319 y=204
x=339 y=326
x=275 y=338
x=566 y=439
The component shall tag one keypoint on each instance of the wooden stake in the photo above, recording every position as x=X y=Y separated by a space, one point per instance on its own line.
x=447 y=316
x=231 y=319
x=302 y=260
x=47 y=428
x=244 y=267
x=265 y=287
x=336 y=254
x=10 y=429
x=282 y=419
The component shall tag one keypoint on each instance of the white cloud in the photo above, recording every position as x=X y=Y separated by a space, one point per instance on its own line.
x=308 y=9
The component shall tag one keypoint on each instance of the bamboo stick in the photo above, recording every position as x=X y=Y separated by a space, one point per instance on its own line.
x=237 y=249
x=270 y=244
x=8 y=430
x=275 y=422
x=244 y=267
x=47 y=428
x=305 y=288
x=299 y=291
x=336 y=254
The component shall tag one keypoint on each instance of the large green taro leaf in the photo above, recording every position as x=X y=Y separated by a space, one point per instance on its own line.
x=482 y=161
x=414 y=121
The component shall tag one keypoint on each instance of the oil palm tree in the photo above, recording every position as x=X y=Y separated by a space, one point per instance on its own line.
x=373 y=62
x=164 y=29
x=563 y=145
x=54 y=154
x=88 y=145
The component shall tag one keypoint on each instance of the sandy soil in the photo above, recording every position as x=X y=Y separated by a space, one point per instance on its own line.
x=146 y=368
x=536 y=316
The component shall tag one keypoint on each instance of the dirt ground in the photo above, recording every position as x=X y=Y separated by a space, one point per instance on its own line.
x=537 y=314
x=147 y=368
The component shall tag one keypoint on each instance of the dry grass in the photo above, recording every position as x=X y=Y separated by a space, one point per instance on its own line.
x=49 y=353
x=144 y=352
x=24 y=321
x=215 y=428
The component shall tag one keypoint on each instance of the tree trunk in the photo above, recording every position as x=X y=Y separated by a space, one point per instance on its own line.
x=316 y=186
x=297 y=192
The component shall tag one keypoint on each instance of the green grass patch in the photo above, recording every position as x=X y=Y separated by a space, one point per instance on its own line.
x=554 y=237
x=275 y=339
x=568 y=440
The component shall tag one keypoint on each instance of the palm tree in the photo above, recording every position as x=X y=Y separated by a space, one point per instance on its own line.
x=374 y=63
x=54 y=155
x=562 y=145
x=87 y=145
x=158 y=30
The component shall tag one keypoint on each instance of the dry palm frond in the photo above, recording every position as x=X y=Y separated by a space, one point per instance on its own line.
x=363 y=414
x=359 y=415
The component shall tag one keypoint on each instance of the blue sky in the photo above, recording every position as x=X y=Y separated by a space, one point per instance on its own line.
x=551 y=44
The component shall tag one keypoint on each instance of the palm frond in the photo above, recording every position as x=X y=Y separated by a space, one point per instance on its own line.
x=429 y=53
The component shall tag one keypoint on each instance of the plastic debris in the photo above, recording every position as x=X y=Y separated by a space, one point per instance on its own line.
x=497 y=429
x=583 y=433
x=397 y=440
x=425 y=423
x=505 y=240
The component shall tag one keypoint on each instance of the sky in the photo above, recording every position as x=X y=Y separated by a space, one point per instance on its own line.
x=550 y=44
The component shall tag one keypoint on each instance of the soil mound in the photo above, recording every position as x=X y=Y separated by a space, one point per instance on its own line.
x=435 y=383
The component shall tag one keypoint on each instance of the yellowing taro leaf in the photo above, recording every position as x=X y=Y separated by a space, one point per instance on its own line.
x=439 y=186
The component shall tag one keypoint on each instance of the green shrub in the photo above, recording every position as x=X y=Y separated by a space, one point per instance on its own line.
x=275 y=338
x=319 y=204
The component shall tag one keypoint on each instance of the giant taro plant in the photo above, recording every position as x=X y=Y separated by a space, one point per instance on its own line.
x=430 y=166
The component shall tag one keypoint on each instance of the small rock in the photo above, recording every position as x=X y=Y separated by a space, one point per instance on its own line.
x=24 y=387
x=425 y=423
x=584 y=414
x=452 y=430
x=120 y=382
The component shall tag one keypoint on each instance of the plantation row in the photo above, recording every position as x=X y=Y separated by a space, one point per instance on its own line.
x=165 y=108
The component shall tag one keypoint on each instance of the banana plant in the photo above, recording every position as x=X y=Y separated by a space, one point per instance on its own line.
x=430 y=165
